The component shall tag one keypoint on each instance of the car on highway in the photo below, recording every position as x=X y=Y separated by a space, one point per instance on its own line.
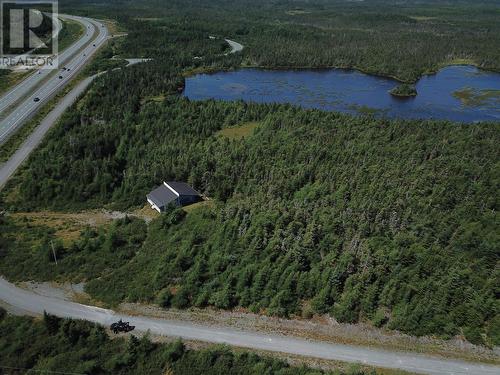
x=60 y=77
x=36 y=99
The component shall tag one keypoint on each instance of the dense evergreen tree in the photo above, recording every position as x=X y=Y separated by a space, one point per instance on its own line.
x=73 y=346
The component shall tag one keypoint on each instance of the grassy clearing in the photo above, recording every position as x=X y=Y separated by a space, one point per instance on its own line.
x=66 y=226
x=146 y=212
x=32 y=244
x=195 y=206
x=241 y=131
x=155 y=99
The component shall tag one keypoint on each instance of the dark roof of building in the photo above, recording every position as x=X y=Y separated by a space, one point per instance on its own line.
x=162 y=196
x=182 y=188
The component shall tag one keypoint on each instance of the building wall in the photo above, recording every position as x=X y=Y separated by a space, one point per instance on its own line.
x=188 y=199
x=153 y=206
x=179 y=202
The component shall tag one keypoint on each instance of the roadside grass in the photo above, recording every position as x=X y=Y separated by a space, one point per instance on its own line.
x=13 y=193
x=105 y=60
x=345 y=367
x=70 y=33
x=114 y=27
x=241 y=131
x=20 y=135
x=11 y=79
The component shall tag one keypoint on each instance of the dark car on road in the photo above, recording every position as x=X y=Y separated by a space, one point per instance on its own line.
x=36 y=99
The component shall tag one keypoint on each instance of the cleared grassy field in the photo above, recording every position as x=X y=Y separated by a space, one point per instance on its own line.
x=238 y=132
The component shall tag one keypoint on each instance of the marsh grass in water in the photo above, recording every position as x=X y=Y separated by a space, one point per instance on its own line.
x=473 y=98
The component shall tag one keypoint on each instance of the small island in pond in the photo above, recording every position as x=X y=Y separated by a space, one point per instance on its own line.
x=404 y=90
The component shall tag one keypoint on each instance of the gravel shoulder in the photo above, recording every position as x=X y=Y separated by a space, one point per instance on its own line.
x=322 y=328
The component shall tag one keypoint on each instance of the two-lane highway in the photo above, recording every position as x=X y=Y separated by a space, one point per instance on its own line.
x=25 y=99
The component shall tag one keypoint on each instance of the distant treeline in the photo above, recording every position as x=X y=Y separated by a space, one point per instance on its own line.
x=404 y=40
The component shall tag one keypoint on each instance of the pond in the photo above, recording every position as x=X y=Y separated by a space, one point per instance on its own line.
x=458 y=93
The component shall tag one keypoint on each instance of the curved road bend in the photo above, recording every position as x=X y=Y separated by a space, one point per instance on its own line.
x=235 y=46
x=73 y=58
x=29 y=302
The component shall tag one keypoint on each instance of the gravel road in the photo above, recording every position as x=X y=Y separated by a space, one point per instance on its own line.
x=28 y=302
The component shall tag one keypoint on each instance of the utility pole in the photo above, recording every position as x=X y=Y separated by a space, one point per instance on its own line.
x=53 y=251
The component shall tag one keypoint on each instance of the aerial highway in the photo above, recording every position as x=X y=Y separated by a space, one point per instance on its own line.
x=25 y=99
x=22 y=301
x=28 y=84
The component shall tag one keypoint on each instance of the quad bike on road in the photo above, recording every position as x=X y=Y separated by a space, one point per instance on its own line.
x=121 y=326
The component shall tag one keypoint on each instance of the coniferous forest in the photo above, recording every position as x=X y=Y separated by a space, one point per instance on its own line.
x=391 y=222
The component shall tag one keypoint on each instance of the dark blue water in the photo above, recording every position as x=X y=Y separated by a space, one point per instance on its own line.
x=356 y=92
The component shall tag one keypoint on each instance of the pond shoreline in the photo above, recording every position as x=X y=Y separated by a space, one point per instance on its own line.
x=212 y=70
x=347 y=90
